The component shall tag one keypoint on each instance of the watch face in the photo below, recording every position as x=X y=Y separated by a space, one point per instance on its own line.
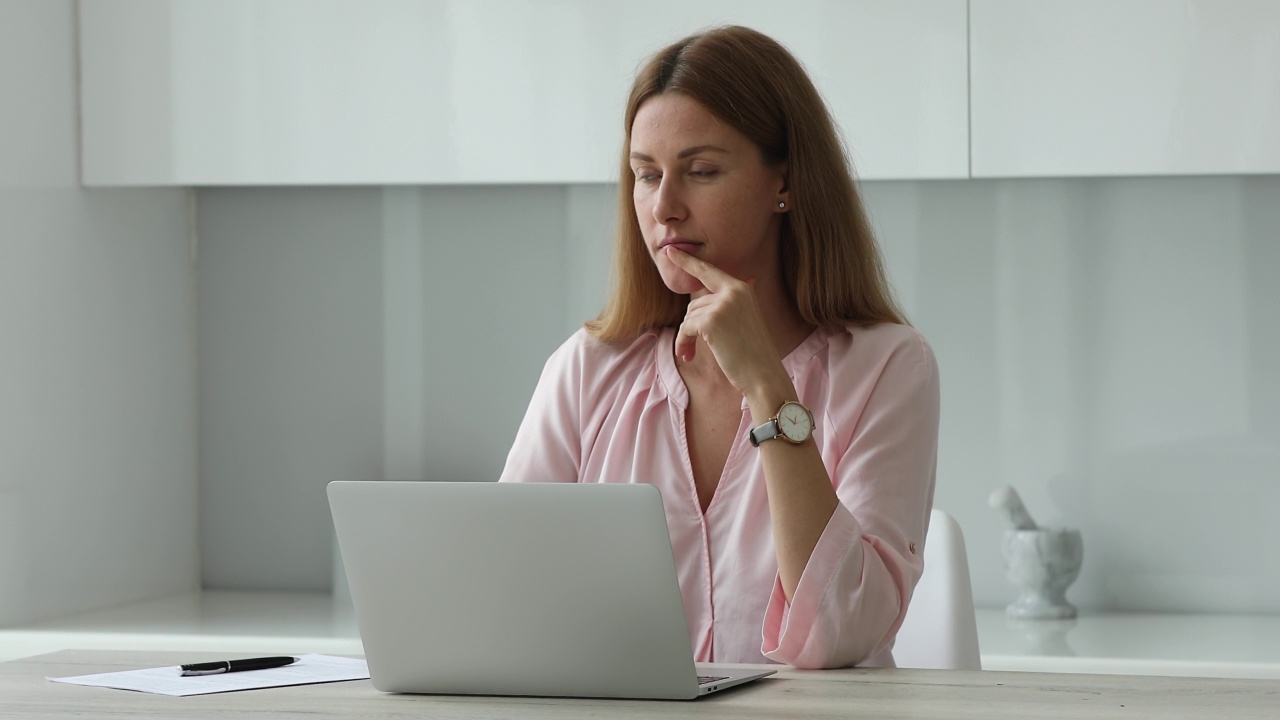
x=795 y=422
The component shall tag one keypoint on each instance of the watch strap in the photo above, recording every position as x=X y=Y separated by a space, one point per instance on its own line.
x=768 y=431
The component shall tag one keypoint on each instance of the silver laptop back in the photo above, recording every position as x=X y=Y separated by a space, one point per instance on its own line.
x=514 y=589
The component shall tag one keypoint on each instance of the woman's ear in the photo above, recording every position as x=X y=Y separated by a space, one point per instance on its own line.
x=783 y=201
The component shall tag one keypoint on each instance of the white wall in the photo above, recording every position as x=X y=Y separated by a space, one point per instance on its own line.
x=1109 y=347
x=97 y=372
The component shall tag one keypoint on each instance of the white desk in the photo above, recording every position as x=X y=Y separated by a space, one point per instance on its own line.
x=790 y=694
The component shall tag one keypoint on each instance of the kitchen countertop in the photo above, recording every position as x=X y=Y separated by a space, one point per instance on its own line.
x=1246 y=646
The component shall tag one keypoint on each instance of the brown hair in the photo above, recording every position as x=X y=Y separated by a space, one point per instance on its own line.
x=830 y=260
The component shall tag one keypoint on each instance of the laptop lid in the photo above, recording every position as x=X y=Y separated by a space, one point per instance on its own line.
x=515 y=589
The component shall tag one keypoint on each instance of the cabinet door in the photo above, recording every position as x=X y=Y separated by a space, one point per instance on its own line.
x=245 y=92
x=1125 y=87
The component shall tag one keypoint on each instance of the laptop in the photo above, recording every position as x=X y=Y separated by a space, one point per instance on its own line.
x=555 y=589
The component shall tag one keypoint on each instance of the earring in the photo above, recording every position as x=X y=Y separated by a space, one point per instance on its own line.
x=782 y=204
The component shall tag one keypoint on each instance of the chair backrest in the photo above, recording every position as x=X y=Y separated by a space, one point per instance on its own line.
x=941 y=630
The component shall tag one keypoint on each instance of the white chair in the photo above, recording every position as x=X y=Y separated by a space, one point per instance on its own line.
x=941 y=630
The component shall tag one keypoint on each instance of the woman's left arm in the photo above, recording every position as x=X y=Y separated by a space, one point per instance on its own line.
x=801 y=495
x=845 y=579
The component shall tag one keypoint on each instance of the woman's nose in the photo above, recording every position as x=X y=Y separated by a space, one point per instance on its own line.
x=668 y=206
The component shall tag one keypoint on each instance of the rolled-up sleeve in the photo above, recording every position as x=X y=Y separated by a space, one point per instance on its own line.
x=855 y=589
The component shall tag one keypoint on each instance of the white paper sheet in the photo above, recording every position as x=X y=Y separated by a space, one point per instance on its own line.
x=309 y=669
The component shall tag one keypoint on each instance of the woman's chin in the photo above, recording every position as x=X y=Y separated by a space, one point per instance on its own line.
x=682 y=284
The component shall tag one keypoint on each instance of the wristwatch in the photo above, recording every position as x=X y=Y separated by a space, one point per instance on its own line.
x=793 y=423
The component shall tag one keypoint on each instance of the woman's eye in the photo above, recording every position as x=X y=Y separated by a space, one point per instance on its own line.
x=645 y=176
x=702 y=173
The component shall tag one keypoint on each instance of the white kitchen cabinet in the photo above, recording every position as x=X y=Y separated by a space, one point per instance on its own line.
x=308 y=92
x=1124 y=87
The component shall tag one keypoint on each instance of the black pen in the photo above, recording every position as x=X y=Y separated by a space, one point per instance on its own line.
x=226 y=666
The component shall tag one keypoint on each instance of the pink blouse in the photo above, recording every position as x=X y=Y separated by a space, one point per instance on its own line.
x=604 y=413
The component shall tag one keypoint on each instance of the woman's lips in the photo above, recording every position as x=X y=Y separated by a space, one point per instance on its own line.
x=688 y=247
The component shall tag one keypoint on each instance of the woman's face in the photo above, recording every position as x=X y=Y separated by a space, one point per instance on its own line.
x=703 y=186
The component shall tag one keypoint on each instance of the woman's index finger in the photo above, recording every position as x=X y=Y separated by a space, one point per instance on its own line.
x=712 y=277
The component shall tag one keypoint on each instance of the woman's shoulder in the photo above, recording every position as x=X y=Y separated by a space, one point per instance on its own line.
x=858 y=348
x=590 y=356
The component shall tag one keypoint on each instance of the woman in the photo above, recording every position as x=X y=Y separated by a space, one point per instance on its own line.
x=751 y=363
